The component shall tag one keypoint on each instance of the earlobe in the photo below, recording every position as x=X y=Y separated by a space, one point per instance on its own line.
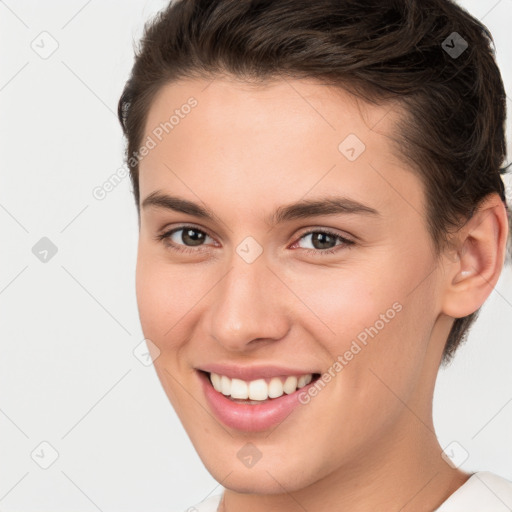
x=473 y=274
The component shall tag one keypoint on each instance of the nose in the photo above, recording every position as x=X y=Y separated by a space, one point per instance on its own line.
x=250 y=306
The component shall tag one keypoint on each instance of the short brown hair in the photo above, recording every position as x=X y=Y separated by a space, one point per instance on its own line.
x=410 y=51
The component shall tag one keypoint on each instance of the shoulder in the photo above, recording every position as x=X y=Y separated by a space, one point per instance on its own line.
x=483 y=491
x=208 y=505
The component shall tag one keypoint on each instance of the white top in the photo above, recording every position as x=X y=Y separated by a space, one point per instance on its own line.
x=483 y=492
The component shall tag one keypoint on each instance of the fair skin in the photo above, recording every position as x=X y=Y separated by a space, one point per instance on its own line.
x=366 y=441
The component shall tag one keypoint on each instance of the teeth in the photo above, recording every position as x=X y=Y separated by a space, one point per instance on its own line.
x=290 y=385
x=215 y=381
x=225 y=385
x=259 y=389
x=275 y=388
x=239 y=389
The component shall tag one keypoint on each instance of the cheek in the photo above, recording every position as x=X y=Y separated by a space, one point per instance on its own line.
x=163 y=290
x=159 y=296
x=370 y=320
x=164 y=297
x=151 y=298
x=168 y=297
x=335 y=304
x=393 y=337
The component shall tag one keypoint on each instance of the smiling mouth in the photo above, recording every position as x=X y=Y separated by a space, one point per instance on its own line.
x=260 y=390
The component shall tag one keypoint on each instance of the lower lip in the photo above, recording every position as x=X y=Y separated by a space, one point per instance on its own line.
x=268 y=414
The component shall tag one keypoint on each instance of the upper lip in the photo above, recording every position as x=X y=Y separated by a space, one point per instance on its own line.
x=249 y=373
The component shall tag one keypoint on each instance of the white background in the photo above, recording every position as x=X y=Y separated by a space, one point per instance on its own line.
x=68 y=327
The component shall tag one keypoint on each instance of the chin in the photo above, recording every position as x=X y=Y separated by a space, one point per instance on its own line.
x=272 y=477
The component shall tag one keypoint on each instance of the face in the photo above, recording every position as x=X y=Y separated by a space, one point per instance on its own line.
x=282 y=236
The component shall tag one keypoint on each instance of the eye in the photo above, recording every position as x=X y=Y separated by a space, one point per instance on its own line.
x=189 y=239
x=184 y=238
x=324 y=242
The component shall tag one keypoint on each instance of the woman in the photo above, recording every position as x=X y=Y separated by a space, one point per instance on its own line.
x=321 y=217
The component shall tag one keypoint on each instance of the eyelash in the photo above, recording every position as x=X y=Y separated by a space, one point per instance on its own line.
x=315 y=252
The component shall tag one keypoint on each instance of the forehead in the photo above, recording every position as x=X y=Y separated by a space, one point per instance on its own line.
x=273 y=141
x=270 y=105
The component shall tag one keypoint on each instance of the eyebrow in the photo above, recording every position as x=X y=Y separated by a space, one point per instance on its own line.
x=333 y=205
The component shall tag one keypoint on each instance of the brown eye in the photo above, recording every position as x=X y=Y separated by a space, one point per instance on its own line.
x=321 y=240
x=324 y=242
x=191 y=237
x=184 y=238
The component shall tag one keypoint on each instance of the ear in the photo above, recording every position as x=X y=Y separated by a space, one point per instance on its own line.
x=474 y=266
